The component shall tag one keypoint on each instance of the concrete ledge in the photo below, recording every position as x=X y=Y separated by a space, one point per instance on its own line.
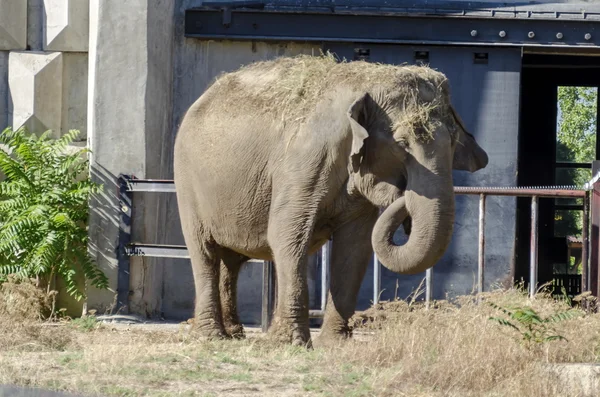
x=35 y=87
x=13 y=24
x=578 y=377
x=66 y=25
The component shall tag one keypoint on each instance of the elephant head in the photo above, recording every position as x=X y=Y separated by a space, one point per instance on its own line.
x=405 y=144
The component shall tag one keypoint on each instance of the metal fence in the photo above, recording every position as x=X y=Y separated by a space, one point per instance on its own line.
x=129 y=185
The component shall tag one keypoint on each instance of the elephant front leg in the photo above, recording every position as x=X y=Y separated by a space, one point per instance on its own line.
x=289 y=244
x=350 y=254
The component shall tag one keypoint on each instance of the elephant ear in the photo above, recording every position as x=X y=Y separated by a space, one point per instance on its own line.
x=357 y=114
x=468 y=155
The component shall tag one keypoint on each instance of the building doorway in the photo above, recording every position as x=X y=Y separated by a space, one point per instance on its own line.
x=557 y=144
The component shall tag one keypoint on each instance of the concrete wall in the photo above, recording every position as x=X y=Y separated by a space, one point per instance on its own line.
x=43 y=70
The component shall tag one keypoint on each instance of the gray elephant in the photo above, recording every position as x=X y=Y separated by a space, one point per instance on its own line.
x=278 y=157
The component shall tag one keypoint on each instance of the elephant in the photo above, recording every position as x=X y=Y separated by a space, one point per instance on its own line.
x=279 y=156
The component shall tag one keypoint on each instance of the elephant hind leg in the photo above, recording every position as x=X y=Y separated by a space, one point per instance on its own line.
x=204 y=255
x=231 y=264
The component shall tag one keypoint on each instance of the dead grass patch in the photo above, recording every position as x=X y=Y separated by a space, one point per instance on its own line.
x=452 y=349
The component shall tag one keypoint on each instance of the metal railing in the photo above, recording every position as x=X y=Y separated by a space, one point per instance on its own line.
x=127 y=248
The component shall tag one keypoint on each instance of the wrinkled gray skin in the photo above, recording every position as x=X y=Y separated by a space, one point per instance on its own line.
x=246 y=190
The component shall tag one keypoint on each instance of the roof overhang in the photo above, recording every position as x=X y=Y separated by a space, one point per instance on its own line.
x=564 y=25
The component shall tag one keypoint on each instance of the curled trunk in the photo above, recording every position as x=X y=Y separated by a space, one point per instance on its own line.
x=432 y=221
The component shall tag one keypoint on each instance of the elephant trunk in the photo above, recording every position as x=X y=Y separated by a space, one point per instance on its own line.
x=432 y=211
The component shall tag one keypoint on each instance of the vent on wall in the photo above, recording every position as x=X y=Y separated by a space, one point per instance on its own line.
x=480 y=58
x=362 y=54
x=422 y=57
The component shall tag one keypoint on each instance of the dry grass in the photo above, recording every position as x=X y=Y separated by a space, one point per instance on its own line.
x=289 y=89
x=452 y=349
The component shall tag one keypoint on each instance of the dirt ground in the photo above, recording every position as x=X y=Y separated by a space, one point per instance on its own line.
x=400 y=349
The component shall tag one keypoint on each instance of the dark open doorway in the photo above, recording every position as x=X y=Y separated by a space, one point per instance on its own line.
x=546 y=158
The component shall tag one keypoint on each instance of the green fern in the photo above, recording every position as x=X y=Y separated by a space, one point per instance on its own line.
x=533 y=327
x=44 y=210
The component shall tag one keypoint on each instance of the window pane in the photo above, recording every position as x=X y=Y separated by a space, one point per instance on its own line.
x=576 y=124
x=572 y=176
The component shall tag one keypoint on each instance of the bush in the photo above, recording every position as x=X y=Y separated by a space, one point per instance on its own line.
x=44 y=211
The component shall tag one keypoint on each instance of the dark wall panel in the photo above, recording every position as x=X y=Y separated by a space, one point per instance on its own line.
x=487 y=97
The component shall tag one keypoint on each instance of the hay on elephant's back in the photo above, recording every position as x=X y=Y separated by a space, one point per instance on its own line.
x=288 y=88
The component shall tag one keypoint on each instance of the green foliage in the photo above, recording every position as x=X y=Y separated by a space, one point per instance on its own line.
x=576 y=142
x=44 y=210
x=532 y=327
x=86 y=323
x=577 y=128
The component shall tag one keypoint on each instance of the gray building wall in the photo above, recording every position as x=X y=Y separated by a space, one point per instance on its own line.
x=486 y=96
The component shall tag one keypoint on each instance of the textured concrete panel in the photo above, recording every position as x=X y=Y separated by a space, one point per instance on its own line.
x=130 y=77
x=4 y=97
x=66 y=25
x=75 y=89
x=13 y=24
x=35 y=87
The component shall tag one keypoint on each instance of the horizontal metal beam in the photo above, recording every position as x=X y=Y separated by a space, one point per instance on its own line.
x=151 y=185
x=244 y=24
x=519 y=191
x=157 y=250
x=160 y=185
x=316 y=313
x=566 y=164
x=164 y=251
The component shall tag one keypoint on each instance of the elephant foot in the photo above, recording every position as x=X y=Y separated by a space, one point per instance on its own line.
x=208 y=330
x=329 y=337
x=235 y=331
x=294 y=334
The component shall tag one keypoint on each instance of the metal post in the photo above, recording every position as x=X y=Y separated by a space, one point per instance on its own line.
x=266 y=295
x=585 y=263
x=428 y=286
x=594 y=238
x=533 y=249
x=376 y=279
x=481 y=261
x=325 y=254
x=125 y=211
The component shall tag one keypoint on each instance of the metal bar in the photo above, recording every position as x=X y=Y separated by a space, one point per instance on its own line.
x=568 y=207
x=125 y=217
x=376 y=279
x=316 y=313
x=266 y=295
x=533 y=257
x=157 y=250
x=325 y=273
x=565 y=164
x=594 y=274
x=168 y=186
x=151 y=185
x=315 y=26
x=519 y=192
x=428 y=286
x=481 y=259
x=585 y=271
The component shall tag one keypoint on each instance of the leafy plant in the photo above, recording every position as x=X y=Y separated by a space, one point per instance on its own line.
x=532 y=326
x=44 y=211
x=85 y=323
